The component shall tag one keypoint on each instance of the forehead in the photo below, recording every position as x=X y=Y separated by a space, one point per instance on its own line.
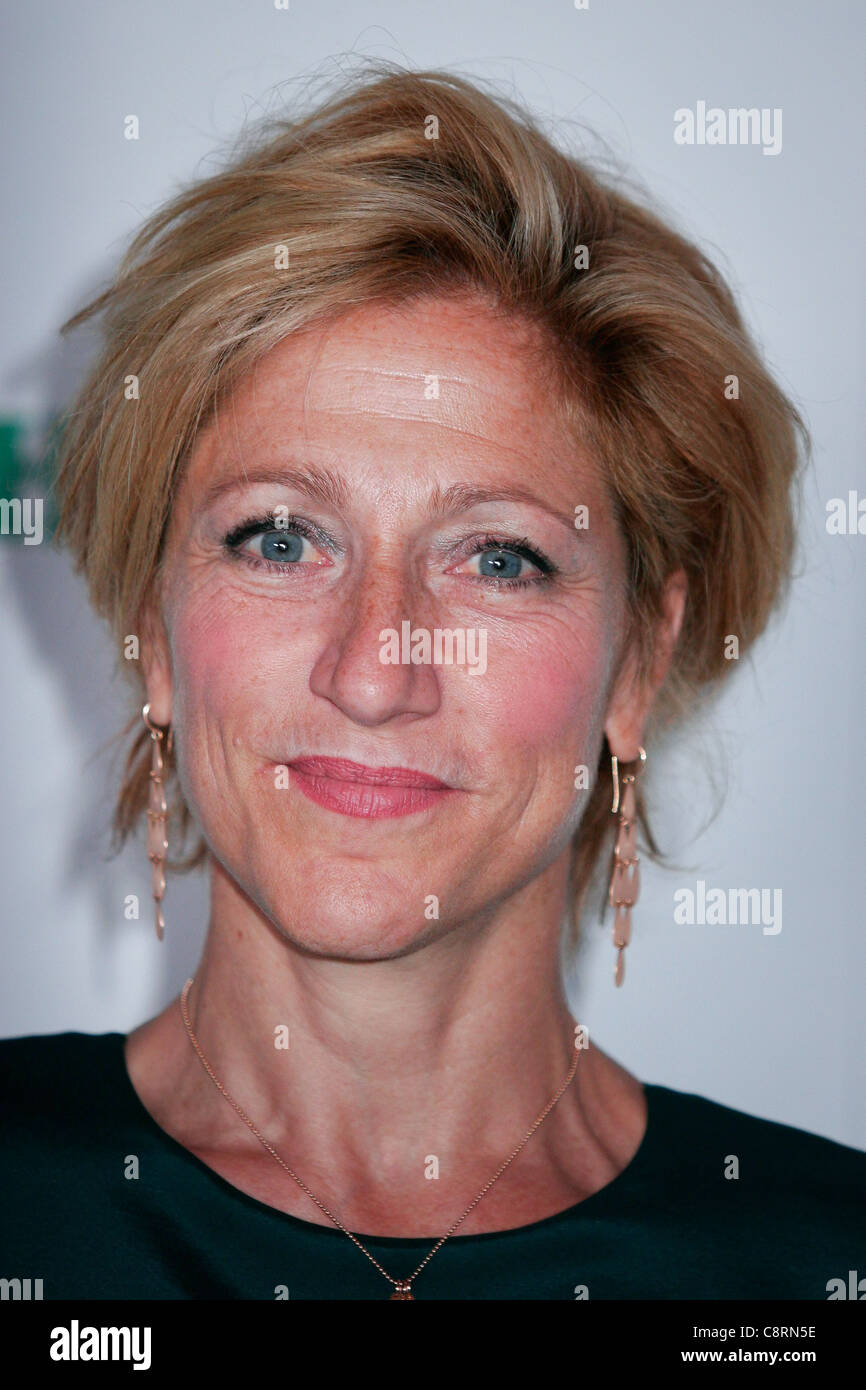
x=451 y=380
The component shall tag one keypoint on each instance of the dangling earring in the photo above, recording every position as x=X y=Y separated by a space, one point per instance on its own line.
x=157 y=814
x=625 y=880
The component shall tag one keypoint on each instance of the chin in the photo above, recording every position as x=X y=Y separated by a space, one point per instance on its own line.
x=352 y=910
x=337 y=937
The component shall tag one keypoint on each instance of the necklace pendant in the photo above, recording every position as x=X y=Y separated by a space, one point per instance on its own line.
x=403 y=1290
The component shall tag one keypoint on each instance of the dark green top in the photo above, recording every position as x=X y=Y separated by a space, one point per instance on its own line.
x=671 y=1225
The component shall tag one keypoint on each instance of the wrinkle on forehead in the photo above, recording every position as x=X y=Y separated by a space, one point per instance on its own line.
x=374 y=363
x=373 y=390
x=440 y=331
x=500 y=401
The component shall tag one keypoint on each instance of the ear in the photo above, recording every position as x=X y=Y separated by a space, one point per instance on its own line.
x=156 y=663
x=633 y=693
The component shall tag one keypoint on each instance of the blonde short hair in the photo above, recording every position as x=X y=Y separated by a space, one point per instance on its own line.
x=404 y=184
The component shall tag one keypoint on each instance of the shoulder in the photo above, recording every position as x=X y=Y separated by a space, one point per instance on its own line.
x=70 y=1127
x=712 y=1120
x=49 y=1079
x=783 y=1164
x=43 y=1053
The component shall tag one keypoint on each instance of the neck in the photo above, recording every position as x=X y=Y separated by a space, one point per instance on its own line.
x=471 y=1034
x=434 y=1063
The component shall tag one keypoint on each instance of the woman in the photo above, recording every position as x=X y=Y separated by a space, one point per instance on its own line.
x=428 y=475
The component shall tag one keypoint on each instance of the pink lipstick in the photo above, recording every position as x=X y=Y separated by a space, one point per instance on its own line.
x=371 y=792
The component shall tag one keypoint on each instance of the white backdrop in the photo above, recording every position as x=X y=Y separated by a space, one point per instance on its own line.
x=772 y=1024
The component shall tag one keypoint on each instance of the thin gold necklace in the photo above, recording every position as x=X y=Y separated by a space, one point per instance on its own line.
x=402 y=1287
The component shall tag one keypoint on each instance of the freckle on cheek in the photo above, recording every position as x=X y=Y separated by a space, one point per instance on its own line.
x=549 y=697
x=211 y=654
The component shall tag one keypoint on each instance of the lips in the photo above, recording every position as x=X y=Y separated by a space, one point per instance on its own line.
x=354 y=789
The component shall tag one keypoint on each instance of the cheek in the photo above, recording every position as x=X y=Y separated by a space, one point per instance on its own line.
x=232 y=677
x=226 y=650
x=550 y=696
x=238 y=664
x=208 y=659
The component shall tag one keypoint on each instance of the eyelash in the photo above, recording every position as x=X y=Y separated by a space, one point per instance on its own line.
x=524 y=549
x=259 y=525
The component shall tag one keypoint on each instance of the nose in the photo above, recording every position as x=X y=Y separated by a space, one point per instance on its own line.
x=349 y=671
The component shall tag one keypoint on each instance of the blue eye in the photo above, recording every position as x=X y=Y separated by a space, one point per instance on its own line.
x=263 y=541
x=500 y=564
x=280 y=546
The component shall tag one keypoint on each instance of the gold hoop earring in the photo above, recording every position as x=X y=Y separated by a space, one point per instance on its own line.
x=157 y=815
x=625 y=880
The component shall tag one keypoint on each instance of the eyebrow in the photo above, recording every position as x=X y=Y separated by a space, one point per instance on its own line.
x=328 y=488
x=319 y=483
x=460 y=497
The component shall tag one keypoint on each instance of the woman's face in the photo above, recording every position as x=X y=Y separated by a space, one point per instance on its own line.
x=401 y=473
